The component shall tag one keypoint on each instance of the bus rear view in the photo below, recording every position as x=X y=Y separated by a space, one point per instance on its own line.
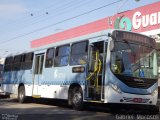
x=133 y=77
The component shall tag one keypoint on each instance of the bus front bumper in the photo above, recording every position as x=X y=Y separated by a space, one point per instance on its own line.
x=115 y=96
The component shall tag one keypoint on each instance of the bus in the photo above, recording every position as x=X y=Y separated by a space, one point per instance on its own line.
x=1 y=70
x=114 y=66
x=1 y=73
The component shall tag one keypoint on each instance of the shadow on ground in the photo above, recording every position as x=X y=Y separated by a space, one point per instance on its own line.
x=105 y=108
x=59 y=109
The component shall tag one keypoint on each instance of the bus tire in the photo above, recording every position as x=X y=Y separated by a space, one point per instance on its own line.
x=77 y=98
x=21 y=94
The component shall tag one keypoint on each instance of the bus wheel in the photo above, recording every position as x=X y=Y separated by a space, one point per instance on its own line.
x=77 y=98
x=21 y=94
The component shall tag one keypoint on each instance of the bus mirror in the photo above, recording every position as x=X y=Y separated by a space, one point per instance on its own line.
x=111 y=45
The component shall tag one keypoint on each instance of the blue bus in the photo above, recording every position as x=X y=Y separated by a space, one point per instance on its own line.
x=114 y=66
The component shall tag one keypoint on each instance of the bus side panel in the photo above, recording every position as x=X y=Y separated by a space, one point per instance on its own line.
x=57 y=80
x=12 y=80
x=69 y=78
x=47 y=87
x=8 y=85
x=54 y=83
x=27 y=79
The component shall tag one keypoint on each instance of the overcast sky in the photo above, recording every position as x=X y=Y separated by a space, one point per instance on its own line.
x=19 y=18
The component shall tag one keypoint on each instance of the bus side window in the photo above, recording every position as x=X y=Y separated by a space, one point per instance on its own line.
x=27 y=61
x=8 y=64
x=62 y=56
x=17 y=62
x=79 y=53
x=49 y=57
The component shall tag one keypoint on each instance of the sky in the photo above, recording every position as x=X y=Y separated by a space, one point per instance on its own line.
x=21 y=20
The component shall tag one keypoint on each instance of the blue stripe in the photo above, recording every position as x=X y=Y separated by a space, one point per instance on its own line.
x=58 y=82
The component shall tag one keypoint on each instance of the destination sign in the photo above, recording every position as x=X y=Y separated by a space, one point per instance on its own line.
x=134 y=38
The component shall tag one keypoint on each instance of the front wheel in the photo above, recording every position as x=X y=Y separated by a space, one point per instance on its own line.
x=77 y=98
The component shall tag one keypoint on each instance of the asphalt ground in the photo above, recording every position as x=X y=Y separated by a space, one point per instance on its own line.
x=49 y=109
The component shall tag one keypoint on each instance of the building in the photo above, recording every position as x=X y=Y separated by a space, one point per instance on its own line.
x=145 y=20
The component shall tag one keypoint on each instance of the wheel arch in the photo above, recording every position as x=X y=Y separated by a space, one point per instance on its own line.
x=21 y=84
x=71 y=87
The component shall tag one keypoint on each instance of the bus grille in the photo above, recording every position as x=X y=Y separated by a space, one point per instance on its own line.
x=135 y=82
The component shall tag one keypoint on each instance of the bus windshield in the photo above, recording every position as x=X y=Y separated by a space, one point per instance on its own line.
x=134 y=59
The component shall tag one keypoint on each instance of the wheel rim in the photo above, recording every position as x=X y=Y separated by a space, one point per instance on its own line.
x=77 y=98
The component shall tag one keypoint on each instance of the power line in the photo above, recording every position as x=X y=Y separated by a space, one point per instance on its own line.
x=10 y=50
x=48 y=26
x=58 y=13
x=62 y=12
x=121 y=5
x=26 y=17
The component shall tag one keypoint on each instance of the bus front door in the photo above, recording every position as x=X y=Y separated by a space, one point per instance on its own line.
x=38 y=68
x=95 y=77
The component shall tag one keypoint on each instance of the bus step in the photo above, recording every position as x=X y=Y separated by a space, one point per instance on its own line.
x=36 y=96
x=96 y=97
x=95 y=101
x=88 y=98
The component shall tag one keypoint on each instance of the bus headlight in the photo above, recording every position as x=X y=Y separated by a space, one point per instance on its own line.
x=115 y=88
x=155 y=92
